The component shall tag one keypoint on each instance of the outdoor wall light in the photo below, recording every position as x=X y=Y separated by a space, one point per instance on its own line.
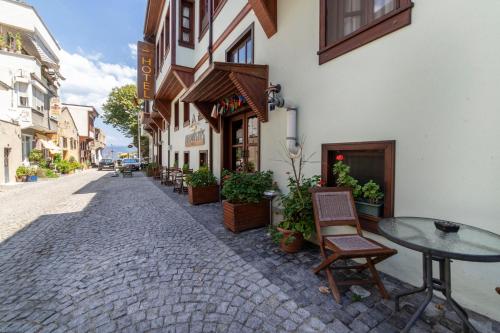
x=274 y=98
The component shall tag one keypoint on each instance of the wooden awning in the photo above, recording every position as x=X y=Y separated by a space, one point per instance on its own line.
x=157 y=119
x=176 y=79
x=163 y=107
x=224 y=79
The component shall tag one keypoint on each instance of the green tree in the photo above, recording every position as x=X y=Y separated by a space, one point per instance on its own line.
x=121 y=110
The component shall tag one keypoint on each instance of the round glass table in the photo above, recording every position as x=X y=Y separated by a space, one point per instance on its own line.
x=420 y=234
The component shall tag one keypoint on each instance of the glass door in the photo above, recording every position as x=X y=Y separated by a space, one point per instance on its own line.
x=243 y=143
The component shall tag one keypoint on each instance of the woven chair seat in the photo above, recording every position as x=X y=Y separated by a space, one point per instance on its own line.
x=352 y=243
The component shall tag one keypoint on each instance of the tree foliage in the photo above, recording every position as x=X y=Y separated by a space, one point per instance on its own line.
x=121 y=111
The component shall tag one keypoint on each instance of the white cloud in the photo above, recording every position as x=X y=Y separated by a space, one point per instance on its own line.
x=133 y=50
x=89 y=80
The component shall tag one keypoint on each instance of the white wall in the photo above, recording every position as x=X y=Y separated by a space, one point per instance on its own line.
x=25 y=17
x=431 y=86
x=80 y=115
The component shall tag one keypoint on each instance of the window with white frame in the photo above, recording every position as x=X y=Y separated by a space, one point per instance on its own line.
x=22 y=93
x=27 y=146
x=38 y=100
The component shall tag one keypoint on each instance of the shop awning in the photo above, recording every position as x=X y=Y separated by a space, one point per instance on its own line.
x=51 y=146
x=224 y=79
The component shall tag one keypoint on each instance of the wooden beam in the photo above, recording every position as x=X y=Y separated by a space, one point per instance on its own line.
x=164 y=109
x=253 y=89
x=158 y=122
x=267 y=13
x=205 y=109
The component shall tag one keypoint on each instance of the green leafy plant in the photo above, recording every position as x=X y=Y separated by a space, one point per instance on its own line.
x=57 y=158
x=19 y=42
x=63 y=166
x=246 y=187
x=185 y=167
x=372 y=192
x=36 y=156
x=152 y=165
x=73 y=165
x=297 y=205
x=22 y=171
x=341 y=171
x=46 y=173
x=3 y=44
x=200 y=178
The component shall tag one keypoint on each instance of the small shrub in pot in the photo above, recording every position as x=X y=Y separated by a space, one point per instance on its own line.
x=202 y=187
x=245 y=206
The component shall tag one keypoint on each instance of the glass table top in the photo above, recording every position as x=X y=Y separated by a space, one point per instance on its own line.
x=420 y=234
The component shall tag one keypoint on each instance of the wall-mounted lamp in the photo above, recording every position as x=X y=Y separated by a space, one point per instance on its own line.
x=274 y=98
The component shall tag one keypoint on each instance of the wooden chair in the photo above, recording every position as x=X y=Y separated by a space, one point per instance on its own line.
x=335 y=207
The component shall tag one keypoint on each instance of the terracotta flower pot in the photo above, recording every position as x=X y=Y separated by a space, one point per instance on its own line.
x=294 y=245
x=240 y=217
x=203 y=194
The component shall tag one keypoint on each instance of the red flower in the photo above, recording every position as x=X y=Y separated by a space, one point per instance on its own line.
x=322 y=182
x=339 y=157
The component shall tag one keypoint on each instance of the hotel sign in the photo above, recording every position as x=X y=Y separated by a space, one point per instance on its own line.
x=145 y=70
x=195 y=139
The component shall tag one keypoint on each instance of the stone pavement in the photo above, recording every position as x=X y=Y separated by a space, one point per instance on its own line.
x=126 y=255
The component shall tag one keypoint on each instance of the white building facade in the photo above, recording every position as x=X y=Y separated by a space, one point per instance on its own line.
x=402 y=88
x=29 y=76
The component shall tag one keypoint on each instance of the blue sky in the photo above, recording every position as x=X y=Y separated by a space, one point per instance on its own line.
x=97 y=38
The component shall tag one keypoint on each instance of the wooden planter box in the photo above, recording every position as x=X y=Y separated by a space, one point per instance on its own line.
x=204 y=194
x=240 y=217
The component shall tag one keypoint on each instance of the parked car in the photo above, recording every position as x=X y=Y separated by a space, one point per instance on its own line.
x=131 y=163
x=106 y=163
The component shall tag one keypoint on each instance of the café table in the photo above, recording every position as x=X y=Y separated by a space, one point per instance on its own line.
x=420 y=234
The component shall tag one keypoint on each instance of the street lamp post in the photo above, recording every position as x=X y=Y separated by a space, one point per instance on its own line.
x=139 y=138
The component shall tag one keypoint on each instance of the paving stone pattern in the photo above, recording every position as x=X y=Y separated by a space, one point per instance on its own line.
x=118 y=255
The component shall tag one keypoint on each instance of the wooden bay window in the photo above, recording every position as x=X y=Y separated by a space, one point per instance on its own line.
x=186 y=24
x=167 y=33
x=176 y=116
x=186 y=112
x=217 y=6
x=348 y=24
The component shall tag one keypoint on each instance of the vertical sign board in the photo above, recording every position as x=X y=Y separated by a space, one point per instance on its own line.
x=145 y=70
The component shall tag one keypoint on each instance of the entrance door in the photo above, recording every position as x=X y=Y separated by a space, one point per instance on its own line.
x=241 y=151
x=6 y=152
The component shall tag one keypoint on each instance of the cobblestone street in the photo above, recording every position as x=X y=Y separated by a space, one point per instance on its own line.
x=92 y=252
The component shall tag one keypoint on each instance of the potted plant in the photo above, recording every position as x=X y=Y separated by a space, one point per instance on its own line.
x=367 y=197
x=10 y=41
x=21 y=173
x=31 y=174
x=36 y=156
x=370 y=204
x=245 y=207
x=3 y=43
x=202 y=187
x=18 y=42
x=298 y=215
x=344 y=179
x=150 y=170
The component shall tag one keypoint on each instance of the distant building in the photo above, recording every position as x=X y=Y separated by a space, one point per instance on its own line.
x=98 y=146
x=29 y=80
x=67 y=136
x=84 y=117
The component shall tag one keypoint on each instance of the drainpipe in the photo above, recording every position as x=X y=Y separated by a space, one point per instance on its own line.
x=210 y=32
x=291 y=131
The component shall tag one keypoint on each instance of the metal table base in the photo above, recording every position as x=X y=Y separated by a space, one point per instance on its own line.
x=443 y=284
